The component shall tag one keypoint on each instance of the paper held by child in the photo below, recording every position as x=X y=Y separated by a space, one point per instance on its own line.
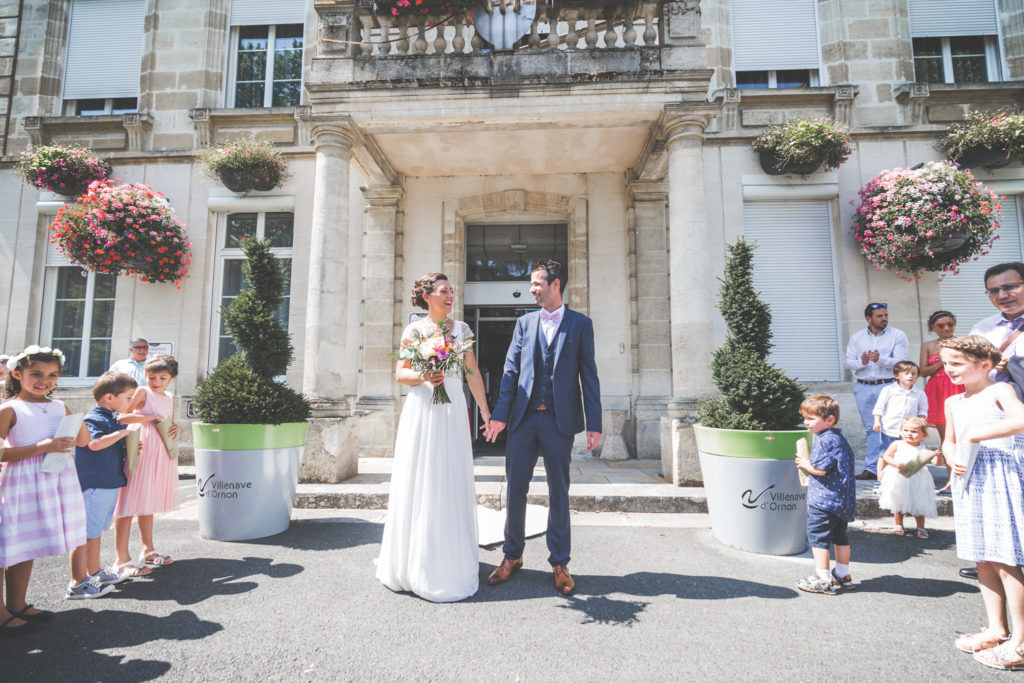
x=803 y=452
x=68 y=428
x=914 y=465
x=967 y=453
x=131 y=444
x=171 y=444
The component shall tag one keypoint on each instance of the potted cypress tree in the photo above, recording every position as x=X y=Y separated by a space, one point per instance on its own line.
x=746 y=438
x=252 y=428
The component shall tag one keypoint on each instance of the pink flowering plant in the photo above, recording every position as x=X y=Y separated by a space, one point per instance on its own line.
x=1001 y=132
x=400 y=8
x=439 y=351
x=64 y=170
x=821 y=140
x=125 y=229
x=934 y=218
x=246 y=163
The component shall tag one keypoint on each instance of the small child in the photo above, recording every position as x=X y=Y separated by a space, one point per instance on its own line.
x=43 y=513
x=100 y=467
x=153 y=487
x=914 y=495
x=831 y=496
x=988 y=499
x=899 y=400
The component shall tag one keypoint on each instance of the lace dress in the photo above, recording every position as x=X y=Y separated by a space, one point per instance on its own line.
x=430 y=533
x=914 y=495
x=990 y=513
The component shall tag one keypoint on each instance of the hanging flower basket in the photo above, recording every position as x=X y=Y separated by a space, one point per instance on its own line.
x=124 y=229
x=400 y=8
x=64 y=170
x=931 y=219
x=248 y=163
x=801 y=146
x=985 y=140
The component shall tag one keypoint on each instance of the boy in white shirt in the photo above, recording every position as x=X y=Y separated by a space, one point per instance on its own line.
x=898 y=401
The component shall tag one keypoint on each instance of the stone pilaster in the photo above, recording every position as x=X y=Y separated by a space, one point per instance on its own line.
x=377 y=386
x=327 y=299
x=690 y=287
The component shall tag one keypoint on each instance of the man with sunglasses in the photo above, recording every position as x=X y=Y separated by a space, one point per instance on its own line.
x=133 y=366
x=871 y=355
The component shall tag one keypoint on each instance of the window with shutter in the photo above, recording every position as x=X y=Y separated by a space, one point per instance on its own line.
x=955 y=41
x=794 y=270
x=964 y=294
x=98 y=79
x=775 y=43
x=266 y=53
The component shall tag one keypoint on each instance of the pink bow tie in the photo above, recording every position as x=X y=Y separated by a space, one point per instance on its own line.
x=554 y=317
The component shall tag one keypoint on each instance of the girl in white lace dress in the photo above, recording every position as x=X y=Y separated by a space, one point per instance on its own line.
x=430 y=533
x=988 y=494
x=913 y=495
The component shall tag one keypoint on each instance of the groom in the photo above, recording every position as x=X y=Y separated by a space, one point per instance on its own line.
x=550 y=378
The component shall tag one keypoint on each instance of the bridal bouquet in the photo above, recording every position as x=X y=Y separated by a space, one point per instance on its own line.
x=438 y=351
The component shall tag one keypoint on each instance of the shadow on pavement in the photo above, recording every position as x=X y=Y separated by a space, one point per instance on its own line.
x=310 y=534
x=881 y=546
x=66 y=649
x=922 y=588
x=192 y=581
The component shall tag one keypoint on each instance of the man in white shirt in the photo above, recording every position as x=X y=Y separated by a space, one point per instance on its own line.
x=871 y=355
x=133 y=366
x=1004 y=284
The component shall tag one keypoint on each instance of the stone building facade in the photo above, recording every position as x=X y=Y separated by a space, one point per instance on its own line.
x=615 y=135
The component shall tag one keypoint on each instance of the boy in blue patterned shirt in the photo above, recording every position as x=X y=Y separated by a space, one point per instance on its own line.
x=831 y=496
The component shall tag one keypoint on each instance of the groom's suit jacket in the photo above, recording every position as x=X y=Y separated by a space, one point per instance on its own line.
x=576 y=389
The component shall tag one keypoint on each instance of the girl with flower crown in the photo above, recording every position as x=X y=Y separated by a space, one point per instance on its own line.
x=41 y=513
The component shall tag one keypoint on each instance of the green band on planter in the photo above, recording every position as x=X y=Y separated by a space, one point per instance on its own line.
x=241 y=437
x=741 y=443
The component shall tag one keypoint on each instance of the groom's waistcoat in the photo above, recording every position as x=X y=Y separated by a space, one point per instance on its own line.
x=544 y=370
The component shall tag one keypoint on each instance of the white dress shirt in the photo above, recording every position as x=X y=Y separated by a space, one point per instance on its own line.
x=549 y=327
x=892 y=347
x=997 y=330
x=896 y=404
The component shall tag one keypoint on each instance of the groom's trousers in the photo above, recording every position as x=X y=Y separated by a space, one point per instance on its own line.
x=537 y=435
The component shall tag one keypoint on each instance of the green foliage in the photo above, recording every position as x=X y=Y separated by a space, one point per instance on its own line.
x=819 y=140
x=242 y=389
x=1002 y=131
x=755 y=394
x=249 y=159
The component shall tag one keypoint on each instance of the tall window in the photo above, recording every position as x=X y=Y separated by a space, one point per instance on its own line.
x=99 y=79
x=268 y=69
x=954 y=41
x=775 y=43
x=81 y=313
x=276 y=227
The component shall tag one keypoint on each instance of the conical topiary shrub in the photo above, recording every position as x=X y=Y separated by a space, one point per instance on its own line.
x=756 y=395
x=242 y=388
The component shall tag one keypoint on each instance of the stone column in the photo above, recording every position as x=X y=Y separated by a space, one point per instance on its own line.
x=327 y=298
x=690 y=287
x=652 y=351
x=377 y=388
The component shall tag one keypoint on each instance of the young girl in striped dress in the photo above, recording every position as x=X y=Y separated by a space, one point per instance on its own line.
x=41 y=513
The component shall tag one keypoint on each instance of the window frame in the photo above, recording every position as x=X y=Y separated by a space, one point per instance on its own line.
x=993 y=58
x=814 y=79
x=268 y=77
x=51 y=277
x=225 y=254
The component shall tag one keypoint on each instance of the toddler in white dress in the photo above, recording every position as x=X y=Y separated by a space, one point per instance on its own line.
x=913 y=495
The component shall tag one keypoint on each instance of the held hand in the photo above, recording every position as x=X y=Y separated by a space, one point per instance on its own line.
x=938 y=459
x=434 y=377
x=492 y=429
x=874 y=356
x=876 y=428
x=63 y=445
x=864 y=358
x=173 y=431
x=902 y=467
x=593 y=440
x=959 y=468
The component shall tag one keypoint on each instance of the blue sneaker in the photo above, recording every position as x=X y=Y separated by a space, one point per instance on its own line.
x=88 y=589
x=109 y=577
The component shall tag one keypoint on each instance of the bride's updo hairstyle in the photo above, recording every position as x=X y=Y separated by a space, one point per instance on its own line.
x=974 y=346
x=425 y=285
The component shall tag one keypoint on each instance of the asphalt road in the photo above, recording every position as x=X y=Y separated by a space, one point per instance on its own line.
x=652 y=603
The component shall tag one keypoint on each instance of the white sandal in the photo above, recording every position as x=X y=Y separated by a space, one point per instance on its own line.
x=155 y=559
x=132 y=569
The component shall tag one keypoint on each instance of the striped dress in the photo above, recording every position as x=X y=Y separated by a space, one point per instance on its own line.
x=41 y=514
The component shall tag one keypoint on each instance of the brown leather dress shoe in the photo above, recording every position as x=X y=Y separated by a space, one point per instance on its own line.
x=563 y=582
x=504 y=571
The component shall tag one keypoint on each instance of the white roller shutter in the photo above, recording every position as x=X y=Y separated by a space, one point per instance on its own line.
x=793 y=271
x=938 y=18
x=54 y=257
x=774 y=34
x=104 y=56
x=258 y=12
x=963 y=295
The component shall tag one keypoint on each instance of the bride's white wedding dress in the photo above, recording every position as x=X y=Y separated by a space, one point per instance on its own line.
x=430 y=534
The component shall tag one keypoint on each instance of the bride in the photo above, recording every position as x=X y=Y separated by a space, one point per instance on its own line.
x=430 y=534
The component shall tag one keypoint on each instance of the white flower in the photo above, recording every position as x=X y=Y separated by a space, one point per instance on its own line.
x=12 y=363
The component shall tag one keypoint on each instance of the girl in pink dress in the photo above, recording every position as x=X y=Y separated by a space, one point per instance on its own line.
x=41 y=513
x=938 y=388
x=153 y=486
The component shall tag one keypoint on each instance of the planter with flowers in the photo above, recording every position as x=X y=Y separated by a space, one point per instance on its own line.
x=985 y=139
x=802 y=146
x=400 y=8
x=932 y=218
x=127 y=229
x=64 y=170
x=248 y=163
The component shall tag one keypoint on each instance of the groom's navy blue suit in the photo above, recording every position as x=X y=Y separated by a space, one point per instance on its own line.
x=549 y=393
